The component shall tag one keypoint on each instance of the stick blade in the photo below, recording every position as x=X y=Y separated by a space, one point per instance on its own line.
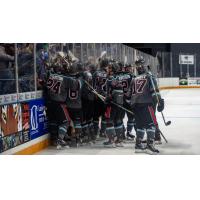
x=168 y=123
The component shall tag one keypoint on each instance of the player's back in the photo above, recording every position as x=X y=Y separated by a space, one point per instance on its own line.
x=86 y=91
x=99 y=81
x=58 y=85
x=74 y=93
x=126 y=79
x=140 y=87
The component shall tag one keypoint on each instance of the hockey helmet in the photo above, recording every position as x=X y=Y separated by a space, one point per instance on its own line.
x=92 y=68
x=140 y=61
x=120 y=66
x=140 y=67
x=114 y=66
x=104 y=63
x=128 y=67
x=74 y=67
x=71 y=57
x=80 y=67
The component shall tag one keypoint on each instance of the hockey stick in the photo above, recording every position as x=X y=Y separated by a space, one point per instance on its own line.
x=103 y=98
x=154 y=88
x=163 y=137
x=156 y=125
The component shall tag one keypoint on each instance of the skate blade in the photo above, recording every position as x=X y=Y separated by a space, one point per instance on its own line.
x=110 y=146
x=158 y=142
x=130 y=138
x=140 y=151
x=129 y=141
x=151 y=152
x=119 y=145
x=66 y=147
x=62 y=147
x=59 y=147
x=91 y=143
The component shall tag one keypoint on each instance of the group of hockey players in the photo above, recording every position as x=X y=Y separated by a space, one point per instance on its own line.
x=87 y=101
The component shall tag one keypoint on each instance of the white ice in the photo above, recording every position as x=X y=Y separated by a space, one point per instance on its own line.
x=182 y=107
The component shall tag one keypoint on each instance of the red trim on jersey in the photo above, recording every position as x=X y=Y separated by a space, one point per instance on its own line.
x=153 y=115
x=108 y=111
x=64 y=107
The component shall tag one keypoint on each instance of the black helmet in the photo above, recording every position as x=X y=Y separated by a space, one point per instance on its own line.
x=92 y=68
x=128 y=67
x=104 y=63
x=121 y=66
x=140 y=61
x=114 y=65
x=141 y=69
x=80 y=67
x=74 y=68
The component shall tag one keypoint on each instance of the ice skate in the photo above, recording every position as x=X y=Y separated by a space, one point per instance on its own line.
x=119 y=143
x=158 y=139
x=129 y=136
x=109 y=144
x=139 y=146
x=102 y=135
x=150 y=149
x=61 y=144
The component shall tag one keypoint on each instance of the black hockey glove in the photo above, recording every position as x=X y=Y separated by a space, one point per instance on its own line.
x=161 y=105
x=78 y=75
x=107 y=100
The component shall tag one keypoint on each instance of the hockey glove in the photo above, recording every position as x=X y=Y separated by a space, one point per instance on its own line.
x=107 y=100
x=161 y=105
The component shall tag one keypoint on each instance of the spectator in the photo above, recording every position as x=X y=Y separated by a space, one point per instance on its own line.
x=6 y=72
x=26 y=67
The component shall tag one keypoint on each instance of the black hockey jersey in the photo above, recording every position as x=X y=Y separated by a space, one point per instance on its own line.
x=99 y=82
x=115 y=88
x=126 y=79
x=141 y=89
x=86 y=91
x=74 y=94
x=58 y=86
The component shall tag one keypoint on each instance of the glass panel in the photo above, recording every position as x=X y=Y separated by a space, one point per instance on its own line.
x=125 y=56
x=84 y=52
x=42 y=57
x=114 y=51
x=91 y=53
x=123 y=53
x=104 y=47
x=77 y=50
x=53 y=49
x=7 y=69
x=67 y=46
x=26 y=67
x=97 y=50
x=109 y=50
x=118 y=52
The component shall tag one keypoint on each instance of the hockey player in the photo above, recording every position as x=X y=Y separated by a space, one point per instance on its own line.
x=88 y=105
x=58 y=86
x=158 y=139
x=114 y=121
x=73 y=101
x=126 y=77
x=142 y=93
x=99 y=84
